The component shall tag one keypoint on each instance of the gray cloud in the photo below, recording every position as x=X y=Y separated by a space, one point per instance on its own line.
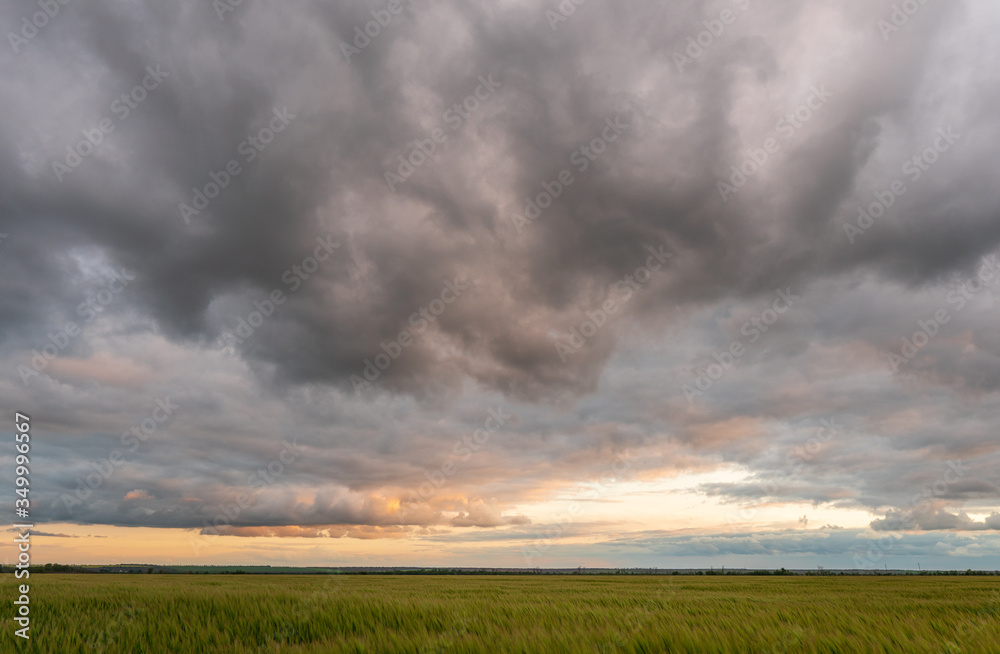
x=324 y=175
x=934 y=520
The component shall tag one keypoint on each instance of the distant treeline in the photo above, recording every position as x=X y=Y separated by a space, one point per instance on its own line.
x=252 y=570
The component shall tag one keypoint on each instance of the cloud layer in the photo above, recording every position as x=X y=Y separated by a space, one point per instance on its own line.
x=688 y=236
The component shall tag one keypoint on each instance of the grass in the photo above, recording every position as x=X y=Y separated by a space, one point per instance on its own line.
x=422 y=614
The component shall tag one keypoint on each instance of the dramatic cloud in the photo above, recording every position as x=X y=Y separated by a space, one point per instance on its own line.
x=934 y=521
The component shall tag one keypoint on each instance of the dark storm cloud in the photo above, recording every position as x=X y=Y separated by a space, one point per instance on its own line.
x=656 y=185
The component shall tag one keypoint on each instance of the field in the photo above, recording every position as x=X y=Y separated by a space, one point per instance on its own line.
x=340 y=613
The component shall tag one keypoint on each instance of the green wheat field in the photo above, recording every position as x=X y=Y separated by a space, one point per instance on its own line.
x=341 y=613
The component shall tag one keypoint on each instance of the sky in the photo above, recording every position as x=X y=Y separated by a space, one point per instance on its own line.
x=508 y=283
